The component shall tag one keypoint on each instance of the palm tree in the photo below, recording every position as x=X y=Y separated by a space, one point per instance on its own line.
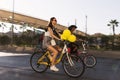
x=113 y=23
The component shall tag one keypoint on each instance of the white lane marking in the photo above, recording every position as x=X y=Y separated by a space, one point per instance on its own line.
x=12 y=54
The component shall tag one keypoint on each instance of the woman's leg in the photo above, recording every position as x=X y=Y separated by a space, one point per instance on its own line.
x=58 y=48
x=54 y=52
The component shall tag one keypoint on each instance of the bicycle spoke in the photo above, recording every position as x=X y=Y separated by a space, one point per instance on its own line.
x=37 y=63
x=76 y=70
x=90 y=61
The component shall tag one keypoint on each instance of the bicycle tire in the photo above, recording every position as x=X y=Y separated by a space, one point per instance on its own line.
x=37 y=67
x=89 y=60
x=77 y=69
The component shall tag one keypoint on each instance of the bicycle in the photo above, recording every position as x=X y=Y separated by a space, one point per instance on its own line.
x=88 y=59
x=73 y=66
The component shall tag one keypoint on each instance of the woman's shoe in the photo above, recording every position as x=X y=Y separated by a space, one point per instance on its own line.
x=54 y=68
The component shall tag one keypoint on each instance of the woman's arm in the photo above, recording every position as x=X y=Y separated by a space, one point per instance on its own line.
x=58 y=33
x=51 y=34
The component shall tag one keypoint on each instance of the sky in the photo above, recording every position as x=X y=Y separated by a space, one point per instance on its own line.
x=68 y=12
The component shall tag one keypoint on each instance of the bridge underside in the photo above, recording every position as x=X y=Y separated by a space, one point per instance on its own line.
x=16 y=18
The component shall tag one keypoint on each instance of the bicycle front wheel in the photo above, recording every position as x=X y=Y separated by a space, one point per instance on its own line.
x=39 y=66
x=76 y=69
x=90 y=61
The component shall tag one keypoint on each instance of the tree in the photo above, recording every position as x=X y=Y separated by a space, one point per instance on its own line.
x=113 y=23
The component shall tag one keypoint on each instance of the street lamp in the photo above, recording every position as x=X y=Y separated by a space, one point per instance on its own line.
x=12 y=26
x=86 y=26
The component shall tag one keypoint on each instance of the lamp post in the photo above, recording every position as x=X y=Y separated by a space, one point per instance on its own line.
x=12 y=26
x=75 y=22
x=86 y=26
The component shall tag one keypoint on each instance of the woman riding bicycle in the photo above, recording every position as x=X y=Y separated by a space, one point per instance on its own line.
x=49 y=35
x=72 y=65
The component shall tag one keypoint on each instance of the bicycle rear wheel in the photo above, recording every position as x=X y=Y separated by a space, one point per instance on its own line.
x=75 y=70
x=90 y=61
x=38 y=66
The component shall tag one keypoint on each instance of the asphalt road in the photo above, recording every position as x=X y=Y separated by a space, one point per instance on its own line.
x=16 y=67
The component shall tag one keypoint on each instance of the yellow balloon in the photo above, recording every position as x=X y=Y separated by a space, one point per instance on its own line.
x=72 y=38
x=66 y=33
x=63 y=37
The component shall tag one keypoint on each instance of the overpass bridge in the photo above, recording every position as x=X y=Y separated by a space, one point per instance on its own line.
x=16 y=18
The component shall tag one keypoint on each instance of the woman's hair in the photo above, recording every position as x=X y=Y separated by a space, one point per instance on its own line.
x=72 y=26
x=50 y=23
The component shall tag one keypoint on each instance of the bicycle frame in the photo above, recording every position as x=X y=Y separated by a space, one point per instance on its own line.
x=84 y=48
x=47 y=53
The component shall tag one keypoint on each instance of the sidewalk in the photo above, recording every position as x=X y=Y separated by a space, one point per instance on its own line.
x=16 y=49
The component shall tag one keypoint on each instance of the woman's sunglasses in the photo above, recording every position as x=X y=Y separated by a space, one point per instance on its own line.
x=55 y=20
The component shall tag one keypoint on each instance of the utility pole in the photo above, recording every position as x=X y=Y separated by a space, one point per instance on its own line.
x=75 y=22
x=86 y=25
x=12 y=26
x=76 y=25
x=68 y=24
